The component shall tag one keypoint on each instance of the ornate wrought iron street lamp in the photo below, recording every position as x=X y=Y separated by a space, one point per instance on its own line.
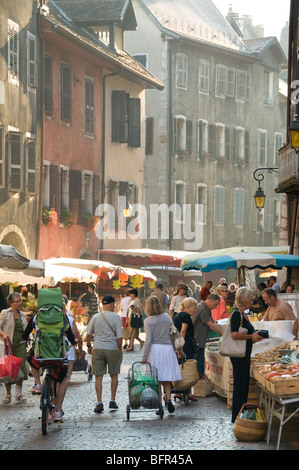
x=259 y=194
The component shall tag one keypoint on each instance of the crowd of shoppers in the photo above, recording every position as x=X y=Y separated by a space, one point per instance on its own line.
x=109 y=333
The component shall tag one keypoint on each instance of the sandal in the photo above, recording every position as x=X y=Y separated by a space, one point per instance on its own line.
x=7 y=399
x=141 y=344
x=20 y=399
x=130 y=349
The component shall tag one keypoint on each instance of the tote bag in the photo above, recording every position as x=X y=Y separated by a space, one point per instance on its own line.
x=231 y=347
x=9 y=364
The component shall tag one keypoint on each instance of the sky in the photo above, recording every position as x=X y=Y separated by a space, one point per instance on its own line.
x=273 y=14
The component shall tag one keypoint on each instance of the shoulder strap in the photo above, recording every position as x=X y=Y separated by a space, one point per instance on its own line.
x=108 y=323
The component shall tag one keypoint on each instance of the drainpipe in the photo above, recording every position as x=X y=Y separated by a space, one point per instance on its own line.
x=170 y=137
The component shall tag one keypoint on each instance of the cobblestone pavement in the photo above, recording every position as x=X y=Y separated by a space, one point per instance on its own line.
x=203 y=425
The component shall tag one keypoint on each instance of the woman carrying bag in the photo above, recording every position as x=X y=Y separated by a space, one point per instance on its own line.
x=136 y=322
x=241 y=365
x=12 y=325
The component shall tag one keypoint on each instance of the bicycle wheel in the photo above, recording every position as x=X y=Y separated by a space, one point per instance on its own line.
x=44 y=404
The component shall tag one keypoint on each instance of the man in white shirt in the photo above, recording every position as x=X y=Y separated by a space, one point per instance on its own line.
x=106 y=352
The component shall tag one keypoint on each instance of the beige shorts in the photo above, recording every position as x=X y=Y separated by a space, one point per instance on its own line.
x=103 y=358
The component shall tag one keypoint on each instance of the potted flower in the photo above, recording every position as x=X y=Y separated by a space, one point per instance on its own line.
x=68 y=218
x=183 y=154
x=90 y=221
x=49 y=217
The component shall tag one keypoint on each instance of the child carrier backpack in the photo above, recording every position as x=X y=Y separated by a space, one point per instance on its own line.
x=51 y=325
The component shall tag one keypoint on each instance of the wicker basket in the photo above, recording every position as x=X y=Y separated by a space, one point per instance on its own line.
x=248 y=430
x=189 y=375
x=203 y=388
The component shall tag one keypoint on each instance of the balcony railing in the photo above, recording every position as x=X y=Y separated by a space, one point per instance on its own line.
x=288 y=173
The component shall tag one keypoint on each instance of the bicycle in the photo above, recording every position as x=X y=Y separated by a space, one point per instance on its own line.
x=48 y=396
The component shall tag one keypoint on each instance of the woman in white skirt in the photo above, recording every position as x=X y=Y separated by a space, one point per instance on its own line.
x=158 y=348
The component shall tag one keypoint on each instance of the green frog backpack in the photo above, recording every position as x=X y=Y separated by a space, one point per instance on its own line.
x=51 y=325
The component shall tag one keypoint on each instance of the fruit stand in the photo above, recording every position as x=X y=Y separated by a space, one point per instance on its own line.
x=278 y=382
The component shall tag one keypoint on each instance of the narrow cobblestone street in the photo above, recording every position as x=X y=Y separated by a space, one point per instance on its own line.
x=204 y=425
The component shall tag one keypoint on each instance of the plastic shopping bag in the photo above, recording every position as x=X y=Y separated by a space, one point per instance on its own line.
x=9 y=364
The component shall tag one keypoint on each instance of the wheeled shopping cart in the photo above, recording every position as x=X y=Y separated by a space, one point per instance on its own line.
x=143 y=389
x=81 y=365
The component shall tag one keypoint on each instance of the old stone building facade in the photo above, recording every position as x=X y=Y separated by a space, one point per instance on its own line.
x=221 y=116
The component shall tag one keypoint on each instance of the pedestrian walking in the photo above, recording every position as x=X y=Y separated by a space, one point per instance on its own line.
x=93 y=301
x=177 y=299
x=106 y=327
x=158 y=348
x=12 y=325
x=124 y=308
x=135 y=313
x=203 y=323
x=162 y=296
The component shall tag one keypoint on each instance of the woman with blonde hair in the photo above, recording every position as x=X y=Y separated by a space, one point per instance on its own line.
x=158 y=348
x=241 y=365
x=220 y=312
x=177 y=299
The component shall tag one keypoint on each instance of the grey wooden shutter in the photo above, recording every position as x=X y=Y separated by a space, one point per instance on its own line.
x=75 y=193
x=134 y=123
x=119 y=107
x=54 y=187
x=189 y=136
x=149 y=136
x=48 y=85
x=96 y=192
x=65 y=93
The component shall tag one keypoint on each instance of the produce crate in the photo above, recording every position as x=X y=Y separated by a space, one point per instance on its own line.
x=284 y=387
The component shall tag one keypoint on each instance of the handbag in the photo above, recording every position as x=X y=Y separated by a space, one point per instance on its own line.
x=232 y=347
x=189 y=375
x=177 y=340
x=9 y=364
x=136 y=321
x=203 y=388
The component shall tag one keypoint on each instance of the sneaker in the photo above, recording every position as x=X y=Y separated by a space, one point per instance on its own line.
x=113 y=405
x=36 y=390
x=170 y=407
x=57 y=417
x=99 y=408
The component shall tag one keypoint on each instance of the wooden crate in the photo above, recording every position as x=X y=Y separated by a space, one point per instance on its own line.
x=284 y=387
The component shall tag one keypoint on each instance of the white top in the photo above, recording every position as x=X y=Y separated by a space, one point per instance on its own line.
x=124 y=304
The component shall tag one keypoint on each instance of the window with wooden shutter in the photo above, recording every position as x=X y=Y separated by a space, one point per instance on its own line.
x=31 y=61
x=13 y=50
x=48 y=85
x=212 y=150
x=31 y=166
x=119 y=116
x=189 y=137
x=65 y=83
x=89 y=107
x=15 y=161
x=2 y=160
x=134 y=123
x=246 y=149
x=96 y=192
x=227 y=143
x=219 y=205
x=54 y=187
x=75 y=193
x=149 y=136
x=221 y=80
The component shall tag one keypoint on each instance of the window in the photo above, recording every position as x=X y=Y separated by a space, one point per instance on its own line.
x=231 y=79
x=262 y=147
x=212 y=141
x=179 y=198
x=63 y=190
x=89 y=107
x=31 y=61
x=179 y=133
x=65 y=93
x=2 y=159
x=142 y=59
x=220 y=140
x=204 y=77
x=202 y=198
x=277 y=146
x=125 y=119
x=241 y=91
x=221 y=80
x=13 y=51
x=15 y=158
x=87 y=191
x=181 y=70
x=269 y=215
x=202 y=141
x=48 y=85
x=268 y=88
x=75 y=194
x=239 y=207
x=149 y=136
x=31 y=166
x=46 y=185
x=228 y=144
x=240 y=144
x=219 y=205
